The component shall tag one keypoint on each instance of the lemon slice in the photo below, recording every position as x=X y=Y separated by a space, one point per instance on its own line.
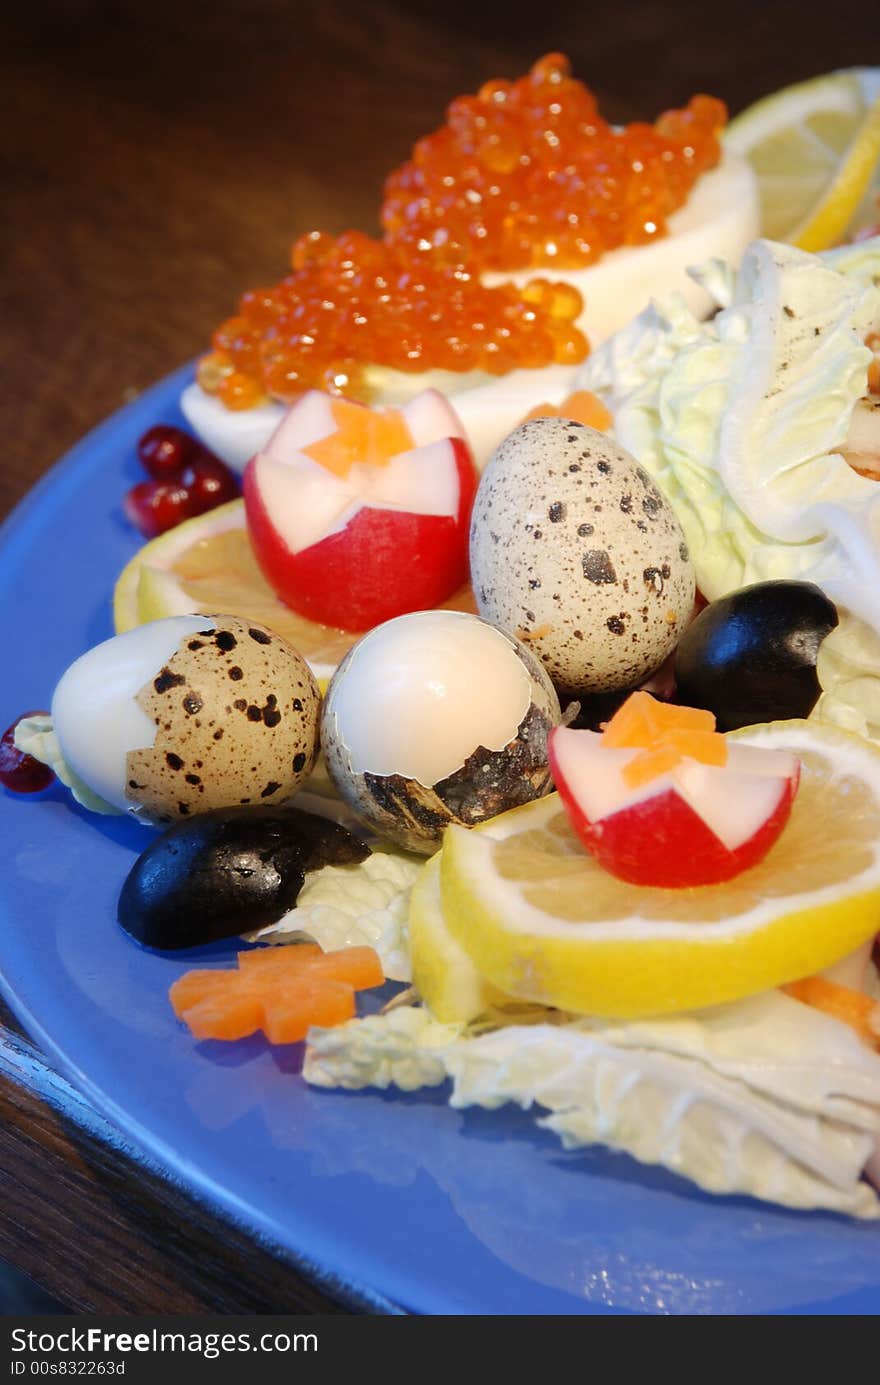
x=443 y=973
x=207 y=564
x=544 y=922
x=153 y=563
x=814 y=148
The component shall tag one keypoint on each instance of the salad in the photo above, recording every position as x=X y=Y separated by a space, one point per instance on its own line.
x=537 y=667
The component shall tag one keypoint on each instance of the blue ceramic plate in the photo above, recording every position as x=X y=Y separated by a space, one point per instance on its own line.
x=393 y=1203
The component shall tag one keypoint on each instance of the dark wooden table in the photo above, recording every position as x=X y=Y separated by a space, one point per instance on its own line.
x=156 y=160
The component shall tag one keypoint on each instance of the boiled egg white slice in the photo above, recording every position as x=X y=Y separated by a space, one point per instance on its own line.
x=236 y=435
x=489 y=410
x=719 y=219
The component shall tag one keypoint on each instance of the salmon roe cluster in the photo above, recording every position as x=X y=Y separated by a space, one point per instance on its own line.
x=527 y=173
x=353 y=302
x=523 y=175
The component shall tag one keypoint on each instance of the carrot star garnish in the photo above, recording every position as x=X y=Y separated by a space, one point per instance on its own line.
x=282 y=990
x=362 y=434
x=583 y=406
x=665 y=734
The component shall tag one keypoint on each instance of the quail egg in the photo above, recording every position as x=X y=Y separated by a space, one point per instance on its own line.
x=437 y=717
x=188 y=714
x=575 y=551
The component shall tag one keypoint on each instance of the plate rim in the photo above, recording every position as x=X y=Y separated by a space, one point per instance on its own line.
x=151 y=1151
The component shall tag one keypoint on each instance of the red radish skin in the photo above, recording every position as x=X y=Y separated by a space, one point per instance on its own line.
x=384 y=563
x=662 y=842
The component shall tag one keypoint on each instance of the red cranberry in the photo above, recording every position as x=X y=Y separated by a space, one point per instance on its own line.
x=154 y=506
x=19 y=772
x=165 y=450
x=187 y=480
x=210 y=483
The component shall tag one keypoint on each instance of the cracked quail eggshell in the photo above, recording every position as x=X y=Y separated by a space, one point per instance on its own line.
x=437 y=717
x=180 y=716
x=236 y=715
x=576 y=552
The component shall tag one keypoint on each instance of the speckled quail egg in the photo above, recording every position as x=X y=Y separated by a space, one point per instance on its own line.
x=437 y=717
x=575 y=551
x=188 y=714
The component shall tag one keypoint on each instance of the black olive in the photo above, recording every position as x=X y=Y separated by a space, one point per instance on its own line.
x=751 y=656
x=226 y=872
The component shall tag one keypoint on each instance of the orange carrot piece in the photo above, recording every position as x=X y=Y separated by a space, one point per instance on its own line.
x=282 y=990
x=389 y=436
x=585 y=407
x=582 y=406
x=359 y=967
x=708 y=747
x=662 y=718
x=284 y=957
x=688 y=718
x=228 y=1016
x=288 y=1016
x=631 y=724
x=541 y=411
x=650 y=765
x=852 y=1007
x=362 y=435
x=665 y=733
x=194 y=987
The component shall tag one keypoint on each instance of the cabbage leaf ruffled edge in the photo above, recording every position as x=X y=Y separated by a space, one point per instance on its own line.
x=35 y=736
x=740 y=418
x=764 y=1097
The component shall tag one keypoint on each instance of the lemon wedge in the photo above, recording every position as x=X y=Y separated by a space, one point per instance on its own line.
x=149 y=587
x=814 y=148
x=542 y=921
x=207 y=564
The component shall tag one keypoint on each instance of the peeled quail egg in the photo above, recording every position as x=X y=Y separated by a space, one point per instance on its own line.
x=188 y=714
x=437 y=717
x=575 y=551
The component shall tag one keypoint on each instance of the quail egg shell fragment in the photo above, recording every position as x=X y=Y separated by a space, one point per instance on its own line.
x=95 y=713
x=437 y=717
x=575 y=551
x=189 y=714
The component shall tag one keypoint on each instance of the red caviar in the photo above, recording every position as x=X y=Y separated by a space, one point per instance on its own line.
x=525 y=174
x=353 y=302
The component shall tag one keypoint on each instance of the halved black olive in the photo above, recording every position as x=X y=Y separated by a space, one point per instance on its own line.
x=226 y=872
x=751 y=656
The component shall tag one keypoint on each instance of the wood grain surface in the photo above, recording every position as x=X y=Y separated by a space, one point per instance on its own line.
x=86 y=1217
x=158 y=159
x=155 y=161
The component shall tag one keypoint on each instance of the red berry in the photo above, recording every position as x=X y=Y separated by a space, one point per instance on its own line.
x=19 y=772
x=165 y=450
x=210 y=483
x=187 y=481
x=155 y=506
